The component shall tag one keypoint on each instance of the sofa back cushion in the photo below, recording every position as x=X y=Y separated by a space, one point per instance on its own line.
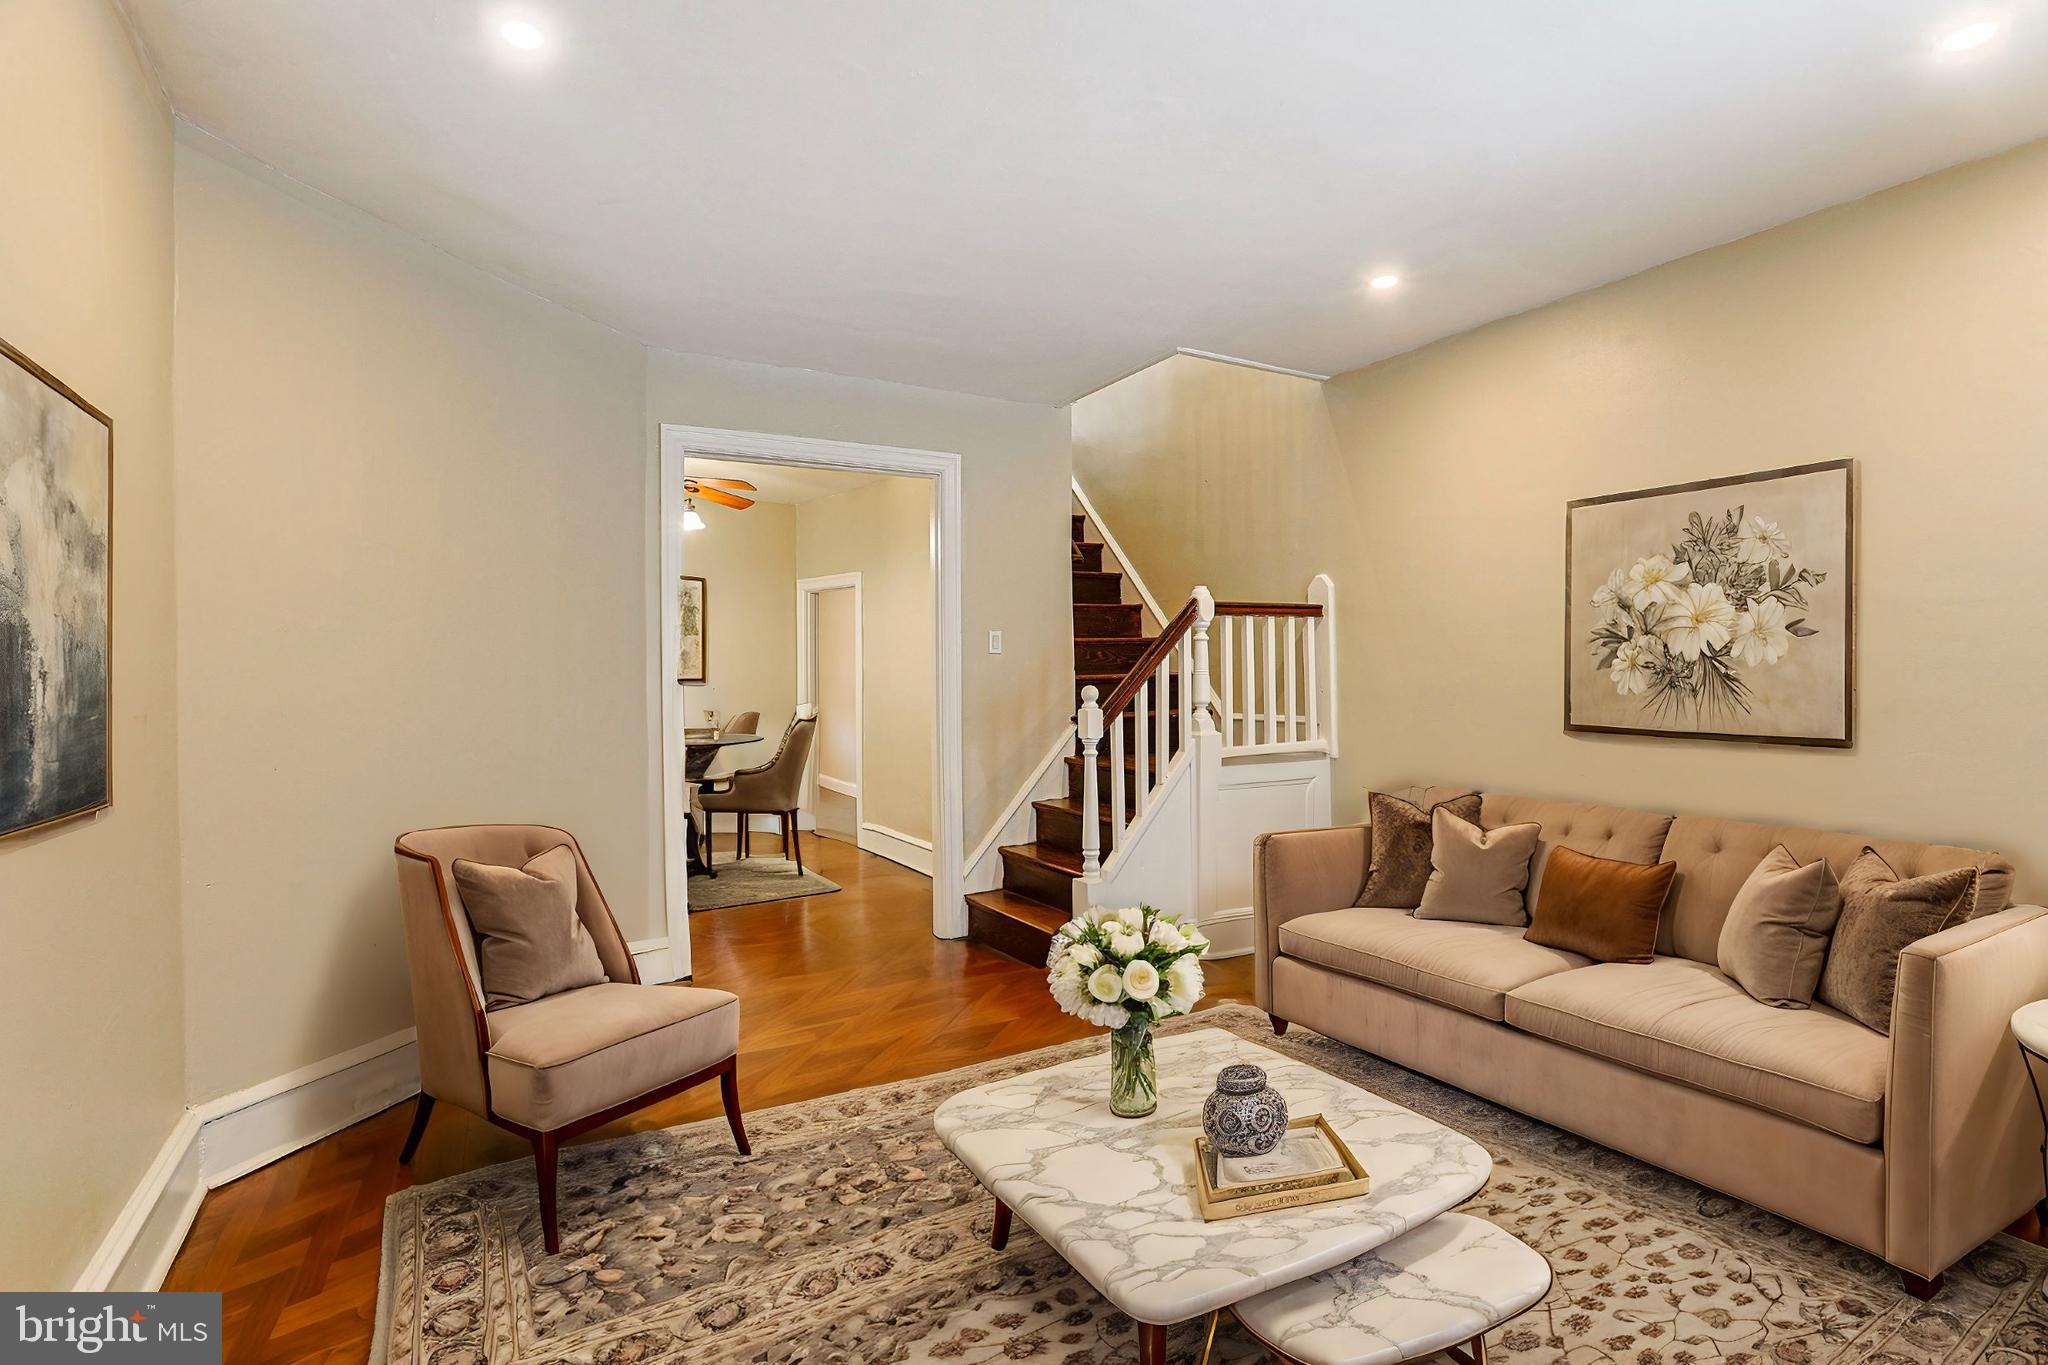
x=1715 y=857
x=1632 y=836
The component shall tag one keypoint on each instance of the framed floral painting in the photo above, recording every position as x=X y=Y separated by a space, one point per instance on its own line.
x=692 y=602
x=1723 y=609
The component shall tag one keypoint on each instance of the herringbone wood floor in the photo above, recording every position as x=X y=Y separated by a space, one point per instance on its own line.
x=836 y=992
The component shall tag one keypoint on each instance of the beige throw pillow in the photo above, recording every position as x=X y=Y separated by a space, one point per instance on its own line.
x=1478 y=875
x=1881 y=915
x=1775 y=938
x=529 y=940
x=1400 y=848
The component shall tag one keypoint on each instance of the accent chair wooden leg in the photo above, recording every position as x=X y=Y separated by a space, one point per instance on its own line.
x=796 y=841
x=1000 y=1237
x=422 y=1111
x=782 y=824
x=544 y=1149
x=729 y=1091
x=1279 y=1025
x=1920 y=1289
x=1151 y=1344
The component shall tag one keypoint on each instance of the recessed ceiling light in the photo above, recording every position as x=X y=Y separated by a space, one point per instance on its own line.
x=1384 y=281
x=521 y=34
x=1970 y=35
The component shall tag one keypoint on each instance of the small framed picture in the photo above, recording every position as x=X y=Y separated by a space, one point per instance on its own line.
x=690 y=606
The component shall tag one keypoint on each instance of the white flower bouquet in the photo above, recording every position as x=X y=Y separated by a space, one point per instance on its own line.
x=1124 y=970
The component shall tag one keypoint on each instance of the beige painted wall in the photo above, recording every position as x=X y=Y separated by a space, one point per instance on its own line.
x=1016 y=467
x=747 y=560
x=1217 y=474
x=410 y=593
x=1906 y=331
x=883 y=533
x=92 y=937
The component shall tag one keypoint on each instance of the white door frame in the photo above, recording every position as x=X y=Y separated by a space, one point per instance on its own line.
x=807 y=590
x=949 y=906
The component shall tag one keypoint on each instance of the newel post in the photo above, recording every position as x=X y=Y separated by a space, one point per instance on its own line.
x=1200 y=695
x=1088 y=728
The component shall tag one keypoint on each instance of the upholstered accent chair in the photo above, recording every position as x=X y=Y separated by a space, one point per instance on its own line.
x=774 y=788
x=563 y=1064
x=745 y=723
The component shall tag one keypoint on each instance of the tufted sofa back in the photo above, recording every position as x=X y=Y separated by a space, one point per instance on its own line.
x=1716 y=856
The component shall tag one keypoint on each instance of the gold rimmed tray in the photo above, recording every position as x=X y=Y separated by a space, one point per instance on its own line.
x=1282 y=1194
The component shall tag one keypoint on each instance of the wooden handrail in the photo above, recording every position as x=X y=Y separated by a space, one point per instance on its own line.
x=1113 y=705
x=1269 y=609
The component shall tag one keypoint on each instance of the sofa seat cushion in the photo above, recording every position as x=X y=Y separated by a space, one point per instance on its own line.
x=1470 y=967
x=1685 y=1020
x=572 y=1055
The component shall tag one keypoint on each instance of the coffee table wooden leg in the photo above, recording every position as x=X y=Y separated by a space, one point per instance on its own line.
x=1000 y=1238
x=1151 y=1344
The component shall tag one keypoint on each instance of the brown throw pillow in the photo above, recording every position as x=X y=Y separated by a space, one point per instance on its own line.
x=1880 y=916
x=1600 y=908
x=1400 y=848
x=1776 y=935
x=1479 y=874
x=529 y=940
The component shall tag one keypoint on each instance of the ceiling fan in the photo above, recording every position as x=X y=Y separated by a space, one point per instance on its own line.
x=713 y=490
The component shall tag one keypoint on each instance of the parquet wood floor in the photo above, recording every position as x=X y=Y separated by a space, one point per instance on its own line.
x=836 y=992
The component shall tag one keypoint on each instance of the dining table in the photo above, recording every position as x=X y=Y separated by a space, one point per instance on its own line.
x=700 y=749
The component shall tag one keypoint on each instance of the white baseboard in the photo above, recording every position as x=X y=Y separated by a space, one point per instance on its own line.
x=226 y=1138
x=839 y=784
x=656 y=963
x=137 y=1251
x=248 y=1130
x=898 y=847
x=1230 y=932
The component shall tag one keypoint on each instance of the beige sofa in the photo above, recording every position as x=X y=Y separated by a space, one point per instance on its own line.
x=1915 y=1147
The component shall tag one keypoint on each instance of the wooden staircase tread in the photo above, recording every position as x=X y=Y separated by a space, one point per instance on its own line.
x=1058 y=859
x=1113 y=640
x=1035 y=913
x=1068 y=805
x=1096 y=573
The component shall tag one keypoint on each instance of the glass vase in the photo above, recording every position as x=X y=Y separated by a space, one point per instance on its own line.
x=1133 y=1075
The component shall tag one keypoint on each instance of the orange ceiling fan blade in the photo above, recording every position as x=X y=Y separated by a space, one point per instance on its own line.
x=723 y=499
x=741 y=484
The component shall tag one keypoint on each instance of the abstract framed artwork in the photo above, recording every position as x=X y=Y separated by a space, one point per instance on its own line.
x=1723 y=609
x=691 y=603
x=56 y=622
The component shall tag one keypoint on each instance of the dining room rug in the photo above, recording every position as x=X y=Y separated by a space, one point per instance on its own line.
x=755 y=881
x=851 y=1237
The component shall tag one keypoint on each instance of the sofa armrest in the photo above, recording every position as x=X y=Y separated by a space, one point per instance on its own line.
x=1298 y=872
x=1962 y=1132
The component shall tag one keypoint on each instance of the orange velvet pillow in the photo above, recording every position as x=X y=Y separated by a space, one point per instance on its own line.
x=1600 y=908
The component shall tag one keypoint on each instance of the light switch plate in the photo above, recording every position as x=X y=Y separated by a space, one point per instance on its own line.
x=995 y=642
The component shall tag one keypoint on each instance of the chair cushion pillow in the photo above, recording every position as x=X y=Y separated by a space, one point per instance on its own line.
x=1776 y=935
x=582 y=1052
x=1880 y=916
x=1600 y=907
x=1400 y=848
x=530 y=942
x=1478 y=875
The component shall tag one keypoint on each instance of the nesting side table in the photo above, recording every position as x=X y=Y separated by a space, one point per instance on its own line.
x=2030 y=1031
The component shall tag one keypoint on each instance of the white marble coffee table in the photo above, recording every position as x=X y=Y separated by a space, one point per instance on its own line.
x=1442 y=1287
x=1115 y=1196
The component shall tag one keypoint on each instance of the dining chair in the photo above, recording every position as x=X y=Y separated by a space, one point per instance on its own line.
x=745 y=723
x=774 y=788
x=551 y=1068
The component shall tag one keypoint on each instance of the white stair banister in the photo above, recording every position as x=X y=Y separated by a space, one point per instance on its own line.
x=1198 y=692
x=1088 y=727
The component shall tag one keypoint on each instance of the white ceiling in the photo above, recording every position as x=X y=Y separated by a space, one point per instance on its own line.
x=779 y=483
x=1029 y=198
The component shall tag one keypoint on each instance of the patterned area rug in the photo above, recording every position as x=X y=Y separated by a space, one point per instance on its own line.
x=851 y=1237
x=755 y=881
